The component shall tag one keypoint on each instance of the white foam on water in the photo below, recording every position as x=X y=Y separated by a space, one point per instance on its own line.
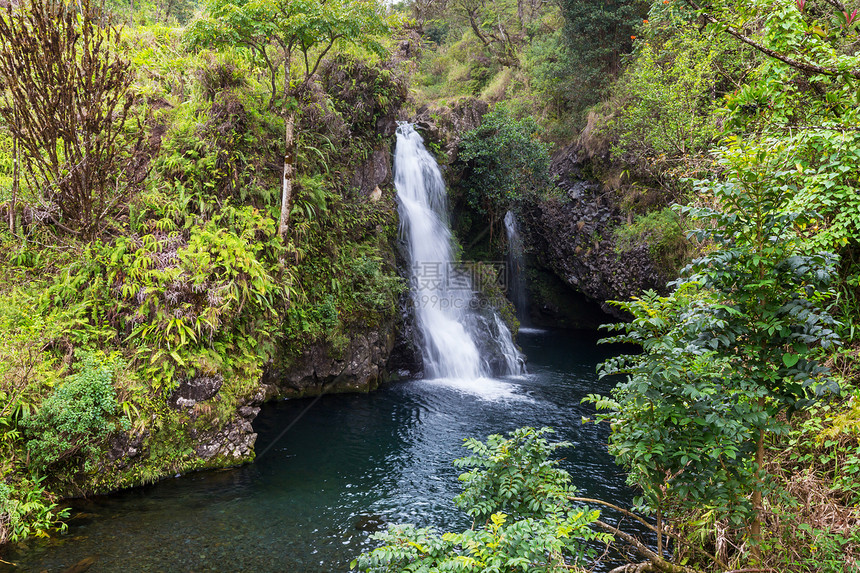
x=489 y=389
x=527 y=330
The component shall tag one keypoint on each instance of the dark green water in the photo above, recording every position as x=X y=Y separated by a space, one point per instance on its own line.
x=349 y=460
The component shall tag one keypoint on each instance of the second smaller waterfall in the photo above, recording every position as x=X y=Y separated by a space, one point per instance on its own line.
x=516 y=268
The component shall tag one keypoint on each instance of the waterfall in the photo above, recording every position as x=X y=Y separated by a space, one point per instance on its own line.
x=447 y=312
x=516 y=267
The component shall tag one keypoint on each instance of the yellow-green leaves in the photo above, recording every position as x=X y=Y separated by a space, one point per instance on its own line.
x=524 y=521
x=280 y=29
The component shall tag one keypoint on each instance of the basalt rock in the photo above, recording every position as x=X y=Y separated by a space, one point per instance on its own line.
x=324 y=369
x=124 y=448
x=373 y=173
x=234 y=441
x=573 y=236
x=196 y=389
x=446 y=125
x=405 y=360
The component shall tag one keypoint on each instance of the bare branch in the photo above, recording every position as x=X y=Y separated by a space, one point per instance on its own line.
x=66 y=103
x=334 y=38
x=836 y=4
x=657 y=563
x=616 y=508
x=632 y=515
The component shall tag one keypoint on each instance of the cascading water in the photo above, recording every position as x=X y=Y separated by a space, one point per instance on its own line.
x=516 y=267
x=446 y=309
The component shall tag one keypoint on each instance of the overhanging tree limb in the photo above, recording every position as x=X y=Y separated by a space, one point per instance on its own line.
x=616 y=508
x=794 y=63
x=657 y=563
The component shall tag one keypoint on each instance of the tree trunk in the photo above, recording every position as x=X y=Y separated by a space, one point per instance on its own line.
x=16 y=178
x=755 y=526
x=289 y=155
x=287 y=190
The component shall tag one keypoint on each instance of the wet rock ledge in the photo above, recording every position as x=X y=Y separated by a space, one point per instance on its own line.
x=572 y=234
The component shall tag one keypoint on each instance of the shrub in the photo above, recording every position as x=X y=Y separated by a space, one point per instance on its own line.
x=524 y=520
x=504 y=160
x=661 y=230
x=66 y=101
x=666 y=107
x=26 y=509
x=76 y=417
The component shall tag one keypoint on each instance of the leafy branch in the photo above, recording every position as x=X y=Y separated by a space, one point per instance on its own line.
x=803 y=66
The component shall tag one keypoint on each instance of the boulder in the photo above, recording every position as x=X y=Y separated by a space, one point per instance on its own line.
x=196 y=389
x=324 y=369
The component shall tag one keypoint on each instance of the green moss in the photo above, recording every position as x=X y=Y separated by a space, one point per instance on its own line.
x=661 y=231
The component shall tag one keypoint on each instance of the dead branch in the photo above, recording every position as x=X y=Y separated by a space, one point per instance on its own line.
x=657 y=563
x=632 y=515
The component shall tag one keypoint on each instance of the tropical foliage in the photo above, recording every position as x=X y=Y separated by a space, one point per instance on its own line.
x=524 y=519
x=140 y=246
x=148 y=173
x=505 y=162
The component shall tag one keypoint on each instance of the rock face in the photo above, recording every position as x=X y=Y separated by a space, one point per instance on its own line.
x=405 y=360
x=322 y=369
x=125 y=448
x=573 y=236
x=197 y=389
x=373 y=173
x=235 y=441
x=447 y=124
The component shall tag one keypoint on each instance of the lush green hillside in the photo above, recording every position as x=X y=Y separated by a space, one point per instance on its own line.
x=197 y=216
x=146 y=295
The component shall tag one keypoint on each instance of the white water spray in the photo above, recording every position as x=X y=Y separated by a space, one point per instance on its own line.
x=445 y=304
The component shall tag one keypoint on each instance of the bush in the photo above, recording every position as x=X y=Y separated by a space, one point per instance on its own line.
x=524 y=520
x=665 y=117
x=51 y=57
x=505 y=161
x=27 y=510
x=76 y=418
x=661 y=231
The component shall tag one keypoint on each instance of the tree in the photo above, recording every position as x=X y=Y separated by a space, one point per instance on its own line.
x=426 y=10
x=720 y=367
x=66 y=103
x=599 y=33
x=505 y=161
x=274 y=31
x=789 y=33
x=666 y=94
x=500 y=25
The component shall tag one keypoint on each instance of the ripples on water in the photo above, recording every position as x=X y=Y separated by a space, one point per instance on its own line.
x=350 y=463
